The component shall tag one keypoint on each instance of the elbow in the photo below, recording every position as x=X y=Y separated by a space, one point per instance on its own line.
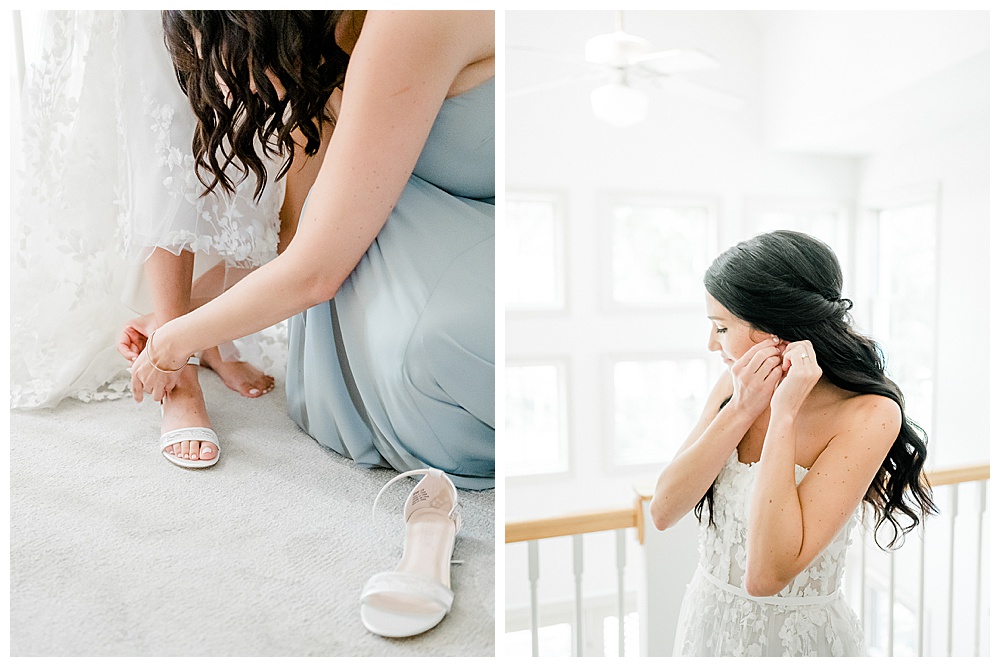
x=761 y=583
x=660 y=514
x=320 y=286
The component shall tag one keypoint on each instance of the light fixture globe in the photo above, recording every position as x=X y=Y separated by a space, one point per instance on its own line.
x=619 y=104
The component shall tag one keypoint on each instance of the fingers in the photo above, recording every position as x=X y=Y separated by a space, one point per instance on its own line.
x=752 y=357
x=137 y=392
x=799 y=353
x=128 y=345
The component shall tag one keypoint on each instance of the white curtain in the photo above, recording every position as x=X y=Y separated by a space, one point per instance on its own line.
x=101 y=173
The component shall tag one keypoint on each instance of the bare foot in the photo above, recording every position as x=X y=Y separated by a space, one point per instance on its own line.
x=184 y=407
x=239 y=376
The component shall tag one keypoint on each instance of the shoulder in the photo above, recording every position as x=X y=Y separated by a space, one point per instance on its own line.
x=471 y=33
x=871 y=419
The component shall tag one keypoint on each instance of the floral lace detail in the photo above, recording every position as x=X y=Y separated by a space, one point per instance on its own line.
x=717 y=621
x=63 y=263
x=230 y=226
x=100 y=164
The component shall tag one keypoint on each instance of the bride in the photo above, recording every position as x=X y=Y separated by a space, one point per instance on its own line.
x=803 y=428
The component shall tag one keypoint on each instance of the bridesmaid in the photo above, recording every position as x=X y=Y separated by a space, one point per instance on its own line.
x=389 y=278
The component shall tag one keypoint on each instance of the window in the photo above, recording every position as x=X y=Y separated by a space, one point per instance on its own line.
x=904 y=305
x=533 y=245
x=826 y=221
x=660 y=250
x=535 y=419
x=656 y=404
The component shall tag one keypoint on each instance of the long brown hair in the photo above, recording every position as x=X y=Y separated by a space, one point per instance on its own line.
x=235 y=47
x=789 y=284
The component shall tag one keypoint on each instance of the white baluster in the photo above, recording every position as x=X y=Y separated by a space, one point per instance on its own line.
x=864 y=586
x=578 y=576
x=892 y=603
x=620 y=543
x=979 y=565
x=920 y=591
x=953 y=510
x=533 y=581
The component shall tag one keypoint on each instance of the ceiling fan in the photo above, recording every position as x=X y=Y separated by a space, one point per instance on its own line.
x=626 y=62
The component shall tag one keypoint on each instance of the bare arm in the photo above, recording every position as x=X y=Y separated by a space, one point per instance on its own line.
x=698 y=462
x=399 y=75
x=790 y=525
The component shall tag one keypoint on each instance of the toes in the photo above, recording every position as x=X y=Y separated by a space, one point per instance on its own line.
x=207 y=451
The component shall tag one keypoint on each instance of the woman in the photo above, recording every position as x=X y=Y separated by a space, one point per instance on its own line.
x=178 y=234
x=389 y=277
x=803 y=427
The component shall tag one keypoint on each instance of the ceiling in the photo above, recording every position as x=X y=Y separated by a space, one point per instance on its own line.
x=828 y=82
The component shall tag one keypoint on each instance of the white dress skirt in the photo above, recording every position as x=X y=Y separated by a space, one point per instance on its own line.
x=102 y=174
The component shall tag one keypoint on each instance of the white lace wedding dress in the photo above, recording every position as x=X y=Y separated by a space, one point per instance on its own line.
x=102 y=173
x=810 y=617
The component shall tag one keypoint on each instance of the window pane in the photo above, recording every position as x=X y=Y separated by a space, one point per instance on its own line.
x=660 y=253
x=656 y=405
x=905 y=310
x=824 y=224
x=534 y=263
x=535 y=441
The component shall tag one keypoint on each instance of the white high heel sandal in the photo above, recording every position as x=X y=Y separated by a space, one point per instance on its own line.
x=417 y=595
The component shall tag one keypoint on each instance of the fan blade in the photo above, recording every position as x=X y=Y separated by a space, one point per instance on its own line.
x=699 y=92
x=675 y=60
x=546 y=53
x=549 y=85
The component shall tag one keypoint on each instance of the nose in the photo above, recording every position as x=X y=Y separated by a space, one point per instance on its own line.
x=713 y=344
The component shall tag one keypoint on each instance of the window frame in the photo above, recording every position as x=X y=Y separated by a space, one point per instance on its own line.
x=870 y=205
x=564 y=389
x=612 y=200
x=713 y=367
x=560 y=201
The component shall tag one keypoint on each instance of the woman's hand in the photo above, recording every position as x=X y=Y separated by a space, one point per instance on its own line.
x=800 y=373
x=755 y=376
x=133 y=337
x=147 y=378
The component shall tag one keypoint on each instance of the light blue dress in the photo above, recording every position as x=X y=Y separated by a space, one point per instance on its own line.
x=397 y=370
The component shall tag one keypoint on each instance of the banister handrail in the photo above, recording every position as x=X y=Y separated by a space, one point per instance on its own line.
x=572 y=524
x=947 y=476
x=597 y=521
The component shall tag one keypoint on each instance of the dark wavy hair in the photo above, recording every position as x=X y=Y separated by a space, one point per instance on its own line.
x=789 y=284
x=297 y=47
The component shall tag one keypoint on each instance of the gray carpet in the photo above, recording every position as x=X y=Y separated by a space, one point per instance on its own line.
x=116 y=552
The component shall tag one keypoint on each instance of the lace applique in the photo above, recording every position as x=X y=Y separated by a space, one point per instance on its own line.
x=715 y=621
x=100 y=164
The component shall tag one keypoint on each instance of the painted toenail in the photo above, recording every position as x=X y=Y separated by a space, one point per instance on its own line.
x=255 y=391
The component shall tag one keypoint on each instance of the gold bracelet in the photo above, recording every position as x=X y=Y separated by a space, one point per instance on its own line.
x=149 y=355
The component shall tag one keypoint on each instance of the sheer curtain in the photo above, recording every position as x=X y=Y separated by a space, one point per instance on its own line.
x=101 y=173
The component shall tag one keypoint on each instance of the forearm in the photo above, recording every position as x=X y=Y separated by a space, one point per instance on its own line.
x=281 y=288
x=775 y=531
x=684 y=482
